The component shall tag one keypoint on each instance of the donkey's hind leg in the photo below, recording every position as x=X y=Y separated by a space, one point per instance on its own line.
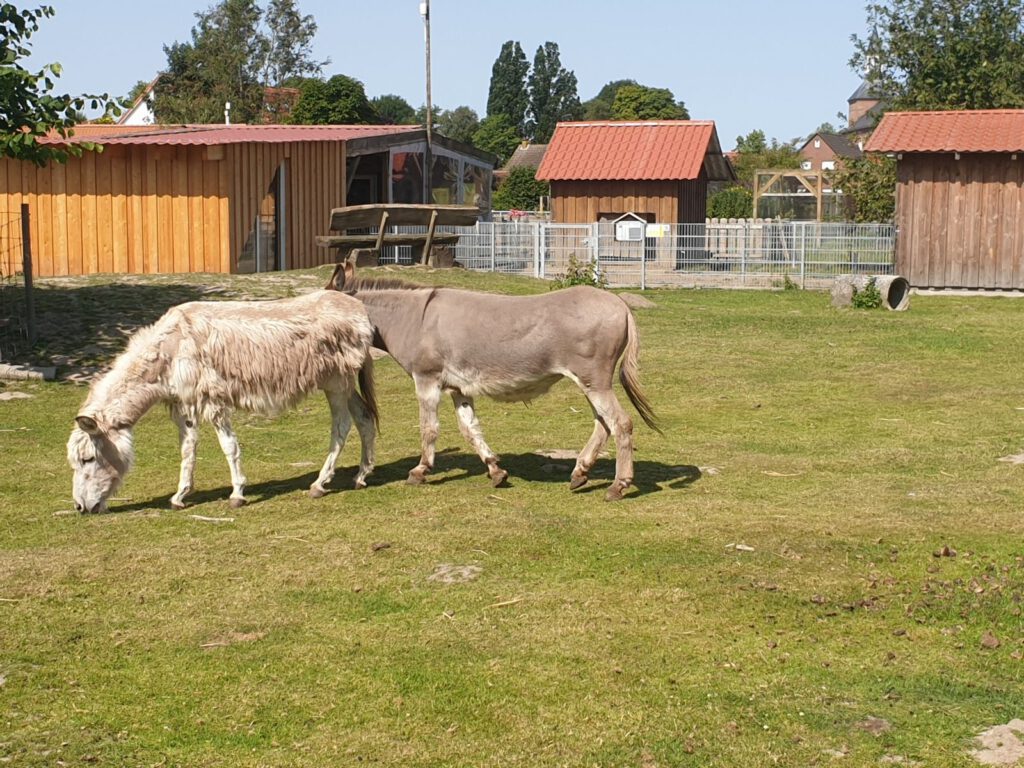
x=588 y=456
x=469 y=425
x=229 y=445
x=188 y=439
x=428 y=391
x=341 y=422
x=367 y=437
x=609 y=410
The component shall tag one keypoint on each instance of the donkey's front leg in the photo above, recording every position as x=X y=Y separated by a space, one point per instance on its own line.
x=188 y=439
x=428 y=391
x=341 y=423
x=469 y=425
x=229 y=445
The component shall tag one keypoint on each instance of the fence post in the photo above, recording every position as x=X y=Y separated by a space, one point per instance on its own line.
x=26 y=267
x=538 y=255
x=494 y=236
x=803 y=254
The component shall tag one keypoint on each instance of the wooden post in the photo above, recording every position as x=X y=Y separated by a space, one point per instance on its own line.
x=380 y=232
x=430 y=238
x=26 y=266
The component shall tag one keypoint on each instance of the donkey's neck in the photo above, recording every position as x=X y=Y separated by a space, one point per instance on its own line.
x=397 y=319
x=136 y=382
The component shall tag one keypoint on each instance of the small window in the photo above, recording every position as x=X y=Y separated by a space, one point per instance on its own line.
x=828 y=165
x=817 y=143
x=806 y=165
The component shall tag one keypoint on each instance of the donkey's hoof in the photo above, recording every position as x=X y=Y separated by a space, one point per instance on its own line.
x=614 y=493
x=577 y=481
x=236 y=503
x=315 y=492
x=360 y=484
x=415 y=478
x=499 y=478
x=179 y=505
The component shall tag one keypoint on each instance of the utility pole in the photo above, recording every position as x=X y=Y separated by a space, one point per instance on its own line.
x=427 y=158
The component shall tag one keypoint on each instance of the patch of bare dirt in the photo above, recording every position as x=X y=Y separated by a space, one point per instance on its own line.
x=448 y=573
x=1001 y=744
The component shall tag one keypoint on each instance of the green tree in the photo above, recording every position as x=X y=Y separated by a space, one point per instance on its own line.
x=394 y=110
x=640 y=102
x=508 y=94
x=28 y=107
x=553 y=94
x=221 y=64
x=520 y=190
x=497 y=136
x=339 y=100
x=731 y=203
x=459 y=124
x=600 y=107
x=869 y=185
x=944 y=54
x=289 y=50
x=754 y=151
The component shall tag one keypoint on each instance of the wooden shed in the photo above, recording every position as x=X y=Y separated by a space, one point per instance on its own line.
x=224 y=198
x=959 y=196
x=658 y=170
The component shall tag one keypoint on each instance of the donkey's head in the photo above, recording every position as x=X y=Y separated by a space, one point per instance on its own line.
x=100 y=455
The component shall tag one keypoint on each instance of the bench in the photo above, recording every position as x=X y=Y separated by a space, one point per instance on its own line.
x=383 y=215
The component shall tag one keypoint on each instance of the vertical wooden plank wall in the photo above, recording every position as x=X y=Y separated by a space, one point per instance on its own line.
x=314 y=183
x=960 y=221
x=671 y=202
x=127 y=209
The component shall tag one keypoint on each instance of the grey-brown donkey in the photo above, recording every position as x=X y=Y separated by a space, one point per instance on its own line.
x=510 y=348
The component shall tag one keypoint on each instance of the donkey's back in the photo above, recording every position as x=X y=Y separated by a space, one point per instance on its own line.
x=265 y=356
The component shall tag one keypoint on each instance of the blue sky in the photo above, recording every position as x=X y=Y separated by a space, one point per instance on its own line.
x=780 y=67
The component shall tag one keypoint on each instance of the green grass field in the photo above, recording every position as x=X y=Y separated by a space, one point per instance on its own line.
x=773 y=592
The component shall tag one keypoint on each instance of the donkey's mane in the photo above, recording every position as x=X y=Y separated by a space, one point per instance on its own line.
x=383 y=284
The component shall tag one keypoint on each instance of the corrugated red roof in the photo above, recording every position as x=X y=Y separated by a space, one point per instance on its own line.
x=983 y=130
x=621 y=151
x=223 y=134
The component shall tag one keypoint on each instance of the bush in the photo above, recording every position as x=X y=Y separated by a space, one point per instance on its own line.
x=520 y=190
x=869 y=297
x=585 y=272
x=731 y=203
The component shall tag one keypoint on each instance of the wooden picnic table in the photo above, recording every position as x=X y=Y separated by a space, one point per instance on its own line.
x=383 y=215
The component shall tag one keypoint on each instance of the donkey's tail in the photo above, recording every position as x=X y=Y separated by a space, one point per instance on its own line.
x=367 y=389
x=629 y=375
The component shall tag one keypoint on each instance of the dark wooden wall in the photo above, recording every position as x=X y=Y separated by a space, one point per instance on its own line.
x=961 y=222
x=669 y=201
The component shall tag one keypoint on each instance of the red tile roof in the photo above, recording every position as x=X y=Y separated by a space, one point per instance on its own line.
x=986 y=130
x=101 y=133
x=633 y=151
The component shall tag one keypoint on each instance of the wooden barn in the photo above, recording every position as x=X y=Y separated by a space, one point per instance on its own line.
x=224 y=198
x=959 y=196
x=656 y=170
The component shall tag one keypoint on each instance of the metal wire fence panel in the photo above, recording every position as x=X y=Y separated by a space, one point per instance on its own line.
x=17 y=323
x=754 y=253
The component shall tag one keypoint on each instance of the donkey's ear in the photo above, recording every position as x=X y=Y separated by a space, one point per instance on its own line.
x=87 y=424
x=338 y=278
x=350 y=271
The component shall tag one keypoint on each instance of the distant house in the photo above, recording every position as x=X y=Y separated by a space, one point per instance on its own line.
x=865 y=107
x=526 y=155
x=657 y=170
x=959 y=196
x=224 y=198
x=140 y=112
x=278 y=104
x=826 y=151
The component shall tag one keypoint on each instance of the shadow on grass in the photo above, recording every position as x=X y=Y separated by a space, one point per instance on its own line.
x=452 y=466
x=88 y=325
